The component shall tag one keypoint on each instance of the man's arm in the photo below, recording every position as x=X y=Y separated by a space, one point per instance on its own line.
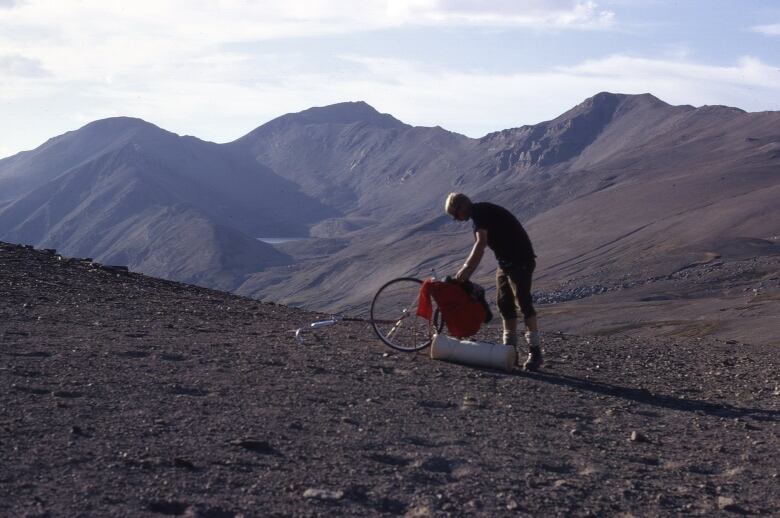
x=477 y=251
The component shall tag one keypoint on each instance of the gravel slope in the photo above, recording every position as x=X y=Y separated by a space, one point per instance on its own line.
x=125 y=395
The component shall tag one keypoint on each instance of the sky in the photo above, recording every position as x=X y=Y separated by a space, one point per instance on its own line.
x=217 y=69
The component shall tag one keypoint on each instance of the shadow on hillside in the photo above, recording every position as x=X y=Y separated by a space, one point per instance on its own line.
x=644 y=396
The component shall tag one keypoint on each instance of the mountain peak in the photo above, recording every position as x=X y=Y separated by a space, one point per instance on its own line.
x=609 y=96
x=609 y=103
x=342 y=113
x=566 y=136
x=120 y=124
x=345 y=113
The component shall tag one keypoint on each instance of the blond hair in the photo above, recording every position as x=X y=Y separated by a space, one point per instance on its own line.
x=455 y=200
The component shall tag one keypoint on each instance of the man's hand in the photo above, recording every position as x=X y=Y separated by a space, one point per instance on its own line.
x=463 y=274
x=474 y=257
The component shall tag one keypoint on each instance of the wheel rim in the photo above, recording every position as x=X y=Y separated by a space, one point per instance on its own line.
x=394 y=315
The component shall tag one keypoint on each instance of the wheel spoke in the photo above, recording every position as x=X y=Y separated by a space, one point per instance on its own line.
x=407 y=332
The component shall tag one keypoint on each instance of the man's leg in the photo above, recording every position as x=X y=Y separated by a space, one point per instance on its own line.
x=505 y=300
x=521 y=279
x=534 y=340
x=531 y=324
x=510 y=331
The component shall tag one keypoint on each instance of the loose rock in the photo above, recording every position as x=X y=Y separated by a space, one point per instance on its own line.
x=323 y=494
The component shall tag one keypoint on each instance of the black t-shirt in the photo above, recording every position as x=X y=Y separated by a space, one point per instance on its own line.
x=505 y=235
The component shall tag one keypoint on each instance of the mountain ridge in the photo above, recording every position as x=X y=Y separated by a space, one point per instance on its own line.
x=615 y=174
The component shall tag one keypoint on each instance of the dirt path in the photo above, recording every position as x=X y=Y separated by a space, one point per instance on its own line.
x=124 y=395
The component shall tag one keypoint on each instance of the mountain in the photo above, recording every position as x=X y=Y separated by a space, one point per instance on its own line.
x=359 y=161
x=620 y=187
x=620 y=192
x=617 y=121
x=28 y=170
x=676 y=187
x=115 y=190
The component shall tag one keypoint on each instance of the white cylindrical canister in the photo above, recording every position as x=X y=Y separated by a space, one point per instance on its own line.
x=483 y=354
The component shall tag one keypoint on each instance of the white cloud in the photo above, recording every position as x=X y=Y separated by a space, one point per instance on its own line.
x=503 y=13
x=676 y=51
x=95 y=52
x=466 y=102
x=91 y=39
x=770 y=30
x=749 y=73
x=226 y=101
x=475 y=103
x=6 y=151
x=175 y=64
x=20 y=66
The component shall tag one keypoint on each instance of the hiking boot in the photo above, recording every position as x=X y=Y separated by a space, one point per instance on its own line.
x=534 y=361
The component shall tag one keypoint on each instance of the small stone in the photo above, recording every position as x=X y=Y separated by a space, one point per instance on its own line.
x=254 y=445
x=512 y=505
x=419 y=512
x=183 y=463
x=202 y=511
x=323 y=494
x=726 y=503
x=469 y=402
x=638 y=437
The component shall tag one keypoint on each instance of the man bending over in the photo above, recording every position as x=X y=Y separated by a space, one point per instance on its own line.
x=497 y=228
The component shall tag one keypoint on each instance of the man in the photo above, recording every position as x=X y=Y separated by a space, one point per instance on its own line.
x=497 y=228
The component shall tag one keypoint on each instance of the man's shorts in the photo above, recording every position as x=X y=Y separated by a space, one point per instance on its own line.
x=513 y=289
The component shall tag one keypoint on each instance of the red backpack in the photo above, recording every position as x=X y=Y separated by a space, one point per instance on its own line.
x=463 y=313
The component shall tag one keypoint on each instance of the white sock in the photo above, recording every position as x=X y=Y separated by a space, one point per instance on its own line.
x=510 y=338
x=534 y=338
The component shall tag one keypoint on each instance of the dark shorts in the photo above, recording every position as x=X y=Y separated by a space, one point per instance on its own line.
x=513 y=289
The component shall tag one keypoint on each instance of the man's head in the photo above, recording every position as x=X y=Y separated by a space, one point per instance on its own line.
x=458 y=205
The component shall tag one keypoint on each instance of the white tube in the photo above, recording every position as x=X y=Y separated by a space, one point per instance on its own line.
x=483 y=354
x=323 y=323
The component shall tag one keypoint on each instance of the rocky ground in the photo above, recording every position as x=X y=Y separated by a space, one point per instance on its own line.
x=726 y=299
x=125 y=395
